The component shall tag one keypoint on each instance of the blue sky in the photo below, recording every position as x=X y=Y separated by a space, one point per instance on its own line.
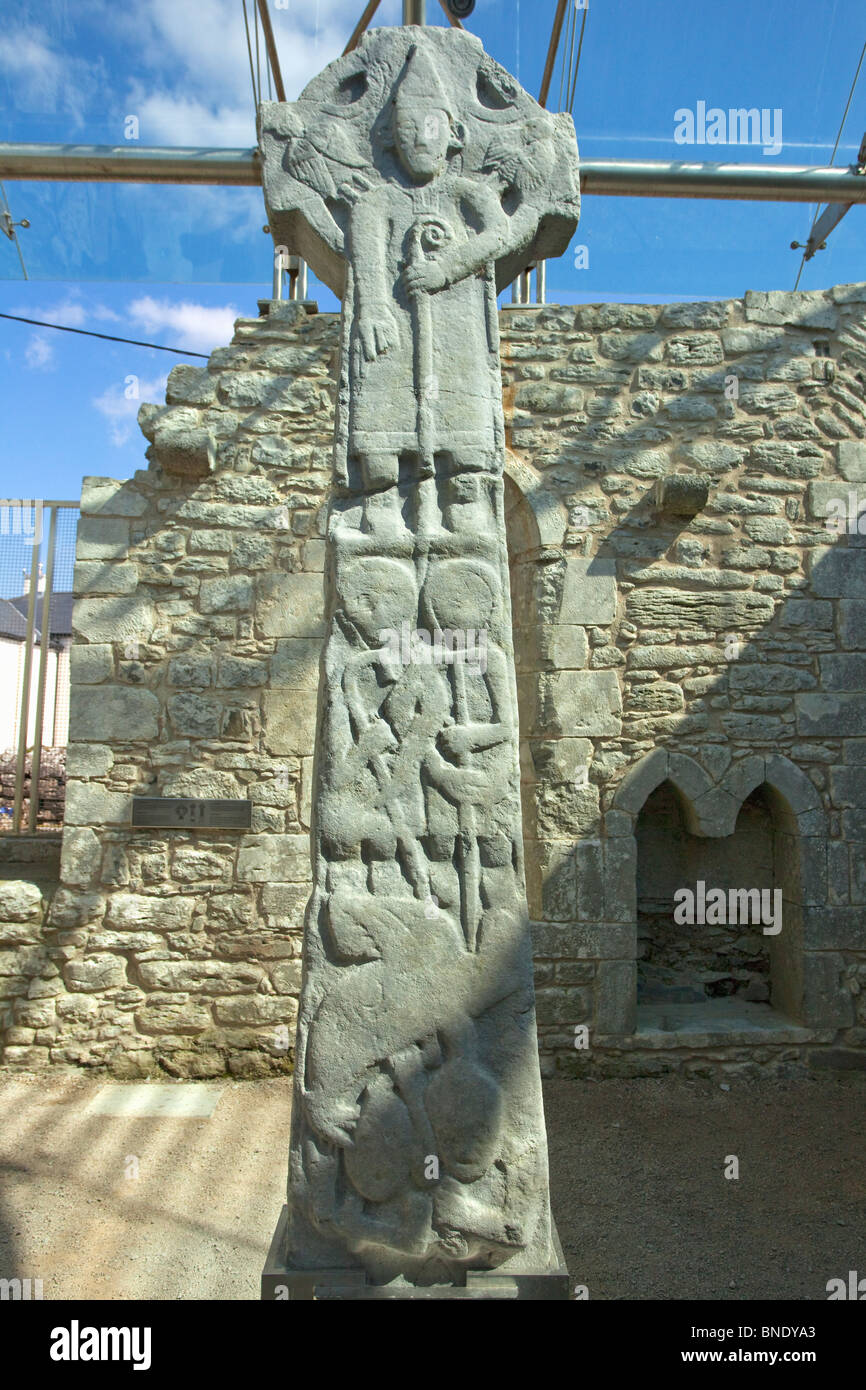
x=176 y=265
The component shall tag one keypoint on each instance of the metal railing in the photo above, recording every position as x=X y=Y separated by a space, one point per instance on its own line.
x=35 y=640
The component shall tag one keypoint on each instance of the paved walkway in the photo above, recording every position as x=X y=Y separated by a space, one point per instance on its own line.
x=101 y=1201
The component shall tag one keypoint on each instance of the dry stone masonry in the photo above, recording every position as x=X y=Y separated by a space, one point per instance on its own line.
x=682 y=615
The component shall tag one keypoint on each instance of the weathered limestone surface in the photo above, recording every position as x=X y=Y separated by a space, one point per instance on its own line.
x=418 y=1141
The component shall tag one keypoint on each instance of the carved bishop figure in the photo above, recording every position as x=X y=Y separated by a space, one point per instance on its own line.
x=416 y=177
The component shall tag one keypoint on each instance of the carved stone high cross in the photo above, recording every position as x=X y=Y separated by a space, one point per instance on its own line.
x=416 y=177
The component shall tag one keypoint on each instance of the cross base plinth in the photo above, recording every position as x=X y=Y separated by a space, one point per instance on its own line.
x=281 y=1281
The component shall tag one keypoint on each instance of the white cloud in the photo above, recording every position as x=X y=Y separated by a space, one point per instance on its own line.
x=71 y=312
x=47 y=81
x=198 y=327
x=120 y=403
x=39 y=353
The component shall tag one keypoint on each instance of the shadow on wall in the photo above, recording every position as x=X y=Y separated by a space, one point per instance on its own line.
x=745 y=688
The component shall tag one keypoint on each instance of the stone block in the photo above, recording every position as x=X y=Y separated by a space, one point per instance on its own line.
x=551 y=884
x=284 y=904
x=80 y=856
x=95 y=973
x=295 y=663
x=201 y=976
x=710 y=611
x=120 y=713
x=291 y=605
x=182 y=445
x=809 y=309
x=631 y=347
x=117 y=619
x=226 y=594
x=274 y=859
x=239 y=671
x=256 y=1009
x=827 y=1000
x=620 y=878
x=615 y=997
x=579 y=704
x=101 y=538
x=20 y=901
x=195 y=715
x=158 y=1015
x=88 y=803
x=837 y=504
x=70 y=909
x=200 y=865
x=852 y=623
x=589 y=867
x=830 y=716
x=202 y=782
x=110 y=497
x=558 y=760
x=190 y=386
x=851 y=458
x=89 y=665
x=148 y=912
x=843 y=671
x=834 y=929
x=588 y=591
x=286 y=976
x=290 y=721
x=838 y=573
x=104 y=577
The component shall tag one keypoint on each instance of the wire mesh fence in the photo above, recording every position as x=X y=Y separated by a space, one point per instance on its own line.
x=37 y=556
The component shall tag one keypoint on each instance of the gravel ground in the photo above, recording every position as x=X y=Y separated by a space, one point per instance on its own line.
x=637 y=1177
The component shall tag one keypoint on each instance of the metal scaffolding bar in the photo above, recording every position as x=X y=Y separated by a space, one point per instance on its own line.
x=24 y=712
x=551 y=52
x=44 y=645
x=271 y=46
x=126 y=164
x=677 y=178
x=625 y=178
x=361 y=26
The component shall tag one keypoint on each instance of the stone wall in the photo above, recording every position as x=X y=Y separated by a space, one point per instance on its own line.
x=682 y=615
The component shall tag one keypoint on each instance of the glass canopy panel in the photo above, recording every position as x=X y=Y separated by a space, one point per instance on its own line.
x=651 y=79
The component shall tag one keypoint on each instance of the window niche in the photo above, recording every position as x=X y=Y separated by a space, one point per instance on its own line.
x=709 y=950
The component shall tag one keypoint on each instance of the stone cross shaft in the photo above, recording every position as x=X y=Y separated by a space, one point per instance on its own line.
x=416 y=177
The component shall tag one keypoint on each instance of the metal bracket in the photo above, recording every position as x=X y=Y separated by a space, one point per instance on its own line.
x=831 y=216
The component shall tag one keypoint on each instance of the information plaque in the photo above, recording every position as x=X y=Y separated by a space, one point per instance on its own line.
x=191 y=813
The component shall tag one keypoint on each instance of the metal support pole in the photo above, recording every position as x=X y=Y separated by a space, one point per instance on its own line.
x=551 y=51
x=271 y=46
x=45 y=631
x=24 y=715
x=625 y=178
x=277 y=292
x=541 y=282
x=414 y=12
x=361 y=26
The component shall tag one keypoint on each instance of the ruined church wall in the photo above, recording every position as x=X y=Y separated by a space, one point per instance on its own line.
x=722 y=651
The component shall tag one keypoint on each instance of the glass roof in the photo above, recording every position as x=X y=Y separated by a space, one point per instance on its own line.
x=176 y=72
